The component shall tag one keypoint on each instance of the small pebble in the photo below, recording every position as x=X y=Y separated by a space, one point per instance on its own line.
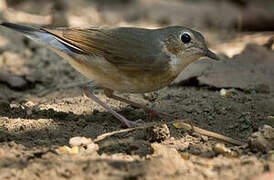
x=224 y=93
x=185 y=155
x=29 y=112
x=204 y=138
x=84 y=144
x=80 y=141
x=29 y=104
x=92 y=148
x=150 y=96
x=65 y=149
x=157 y=133
x=74 y=150
x=221 y=149
x=262 y=140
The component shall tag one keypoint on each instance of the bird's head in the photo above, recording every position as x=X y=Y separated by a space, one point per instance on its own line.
x=185 y=45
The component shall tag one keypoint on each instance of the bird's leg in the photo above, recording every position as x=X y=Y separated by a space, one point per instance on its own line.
x=109 y=93
x=88 y=92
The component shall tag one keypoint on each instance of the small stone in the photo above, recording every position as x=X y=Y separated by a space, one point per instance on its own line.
x=27 y=53
x=222 y=149
x=224 y=93
x=29 y=112
x=29 y=104
x=204 y=138
x=150 y=96
x=65 y=149
x=84 y=144
x=185 y=155
x=157 y=133
x=80 y=141
x=263 y=140
x=74 y=150
x=91 y=148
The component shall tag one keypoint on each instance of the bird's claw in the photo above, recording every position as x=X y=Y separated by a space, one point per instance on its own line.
x=136 y=123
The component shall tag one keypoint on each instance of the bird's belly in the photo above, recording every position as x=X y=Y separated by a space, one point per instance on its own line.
x=107 y=75
x=136 y=82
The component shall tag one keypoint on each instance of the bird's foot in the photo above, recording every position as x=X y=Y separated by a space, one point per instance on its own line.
x=131 y=124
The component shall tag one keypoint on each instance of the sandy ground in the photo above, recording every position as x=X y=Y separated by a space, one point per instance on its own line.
x=38 y=117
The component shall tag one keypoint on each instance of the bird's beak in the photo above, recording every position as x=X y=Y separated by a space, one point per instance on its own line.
x=211 y=54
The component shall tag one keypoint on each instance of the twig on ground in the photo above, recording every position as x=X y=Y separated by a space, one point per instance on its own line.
x=182 y=125
x=207 y=133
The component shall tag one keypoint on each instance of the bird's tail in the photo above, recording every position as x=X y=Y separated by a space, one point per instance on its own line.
x=20 y=28
x=41 y=36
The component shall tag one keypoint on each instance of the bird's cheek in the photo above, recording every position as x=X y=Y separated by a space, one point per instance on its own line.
x=190 y=52
x=188 y=57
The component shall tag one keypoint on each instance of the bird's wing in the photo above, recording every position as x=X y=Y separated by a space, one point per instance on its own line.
x=127 y=48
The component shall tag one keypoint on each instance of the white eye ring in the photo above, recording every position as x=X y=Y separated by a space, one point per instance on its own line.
x=185 y=37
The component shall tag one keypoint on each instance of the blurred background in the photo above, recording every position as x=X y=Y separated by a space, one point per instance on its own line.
x=222 y=19
x=228 y=15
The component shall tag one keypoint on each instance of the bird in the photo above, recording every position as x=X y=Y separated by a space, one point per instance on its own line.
x=122 y=59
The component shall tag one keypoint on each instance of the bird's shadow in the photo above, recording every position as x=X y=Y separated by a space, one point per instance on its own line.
x=53 y=128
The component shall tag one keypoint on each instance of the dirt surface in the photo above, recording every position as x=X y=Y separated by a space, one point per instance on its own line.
x=39 y=116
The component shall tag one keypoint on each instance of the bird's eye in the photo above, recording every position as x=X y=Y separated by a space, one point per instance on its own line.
x=185 y=38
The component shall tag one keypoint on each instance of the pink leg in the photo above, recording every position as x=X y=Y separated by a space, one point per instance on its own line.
x=88 y=92
x=109 y=94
